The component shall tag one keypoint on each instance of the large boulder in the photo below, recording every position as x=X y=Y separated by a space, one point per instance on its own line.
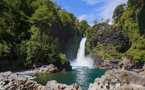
x=54 y=85
x=47 y=69
x=127 y=63
x=108 y=64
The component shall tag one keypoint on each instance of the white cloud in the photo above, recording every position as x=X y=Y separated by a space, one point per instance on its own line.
x=82 y=17
x=90 y=17
x=91 y=2
x=104 y=11
x=109 y=7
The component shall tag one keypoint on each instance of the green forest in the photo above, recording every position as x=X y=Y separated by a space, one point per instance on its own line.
x=38 y=32
x=124 y=38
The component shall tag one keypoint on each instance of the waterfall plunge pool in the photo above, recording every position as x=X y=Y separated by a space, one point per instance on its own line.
x=83 y=72
x=81 y=75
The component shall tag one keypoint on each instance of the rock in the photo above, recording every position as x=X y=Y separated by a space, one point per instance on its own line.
x=127 y=63
x=119 y=80
x=97 y=60
x=143 y=71
x=47 y=69
x=67 y=66
x=43 y=69
x=54 y=85
x=109 y=64
x=13 y=81
x=131 y=87
x=144 y=67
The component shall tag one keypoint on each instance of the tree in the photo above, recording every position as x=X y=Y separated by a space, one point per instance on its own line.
x=118 y=12
x=84 y=26
x=35 y=32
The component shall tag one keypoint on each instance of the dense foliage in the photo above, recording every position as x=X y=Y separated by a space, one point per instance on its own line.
x=35 y=32
x=125 y=37
x=107 y=41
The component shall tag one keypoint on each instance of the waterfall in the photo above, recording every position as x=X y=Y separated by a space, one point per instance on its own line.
x=81 y=51
x=81 y=59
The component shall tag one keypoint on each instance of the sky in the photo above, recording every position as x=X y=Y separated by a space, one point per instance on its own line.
x=90 y=10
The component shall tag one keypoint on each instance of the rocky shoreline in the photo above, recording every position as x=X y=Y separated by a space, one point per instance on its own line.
x=43 y=69
x=119 y=80
x=120 y=75
x=22 y=80
x=114 y=79
x=12 y=81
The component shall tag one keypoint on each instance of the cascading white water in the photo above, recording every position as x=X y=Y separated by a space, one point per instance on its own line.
x=81 y=51
x=81 y=59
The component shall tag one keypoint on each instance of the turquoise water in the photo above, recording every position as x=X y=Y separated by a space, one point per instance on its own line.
x=81 y=75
